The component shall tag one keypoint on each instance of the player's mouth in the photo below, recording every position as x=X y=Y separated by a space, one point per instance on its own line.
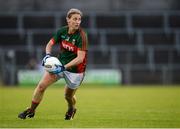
x=76 y=25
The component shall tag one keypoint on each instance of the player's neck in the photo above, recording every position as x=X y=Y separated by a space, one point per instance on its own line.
x=71 y=31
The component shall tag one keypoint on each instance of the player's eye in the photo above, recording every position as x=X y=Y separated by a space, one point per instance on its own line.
x=77 y=19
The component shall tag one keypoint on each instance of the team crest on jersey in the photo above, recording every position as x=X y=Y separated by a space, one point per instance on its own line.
x=73 y=41
x=67 y=38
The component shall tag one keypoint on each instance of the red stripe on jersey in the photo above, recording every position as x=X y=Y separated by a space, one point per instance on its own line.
x=52 y=41
x=84 y=40
x=82 y=66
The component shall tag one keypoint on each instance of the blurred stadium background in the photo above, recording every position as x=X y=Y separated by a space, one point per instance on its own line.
x=130 y=41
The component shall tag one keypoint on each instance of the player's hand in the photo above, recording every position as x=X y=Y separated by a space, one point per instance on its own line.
x=58 y=69
x=44 y=59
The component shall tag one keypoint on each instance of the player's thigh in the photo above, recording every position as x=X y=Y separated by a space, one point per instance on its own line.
x=47 y=79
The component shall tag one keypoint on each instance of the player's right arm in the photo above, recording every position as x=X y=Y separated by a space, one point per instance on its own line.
x=54 y=39
x=49 y=46
x=48 y=50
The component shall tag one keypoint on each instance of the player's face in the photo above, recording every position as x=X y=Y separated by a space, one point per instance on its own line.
x=74 y=21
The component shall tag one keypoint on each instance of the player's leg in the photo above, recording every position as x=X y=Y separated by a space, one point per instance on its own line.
x=46 y=81
x=71 y=101
x=73 y=81
x=70 y=97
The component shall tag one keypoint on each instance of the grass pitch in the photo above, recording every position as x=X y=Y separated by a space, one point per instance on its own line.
x=98 y=107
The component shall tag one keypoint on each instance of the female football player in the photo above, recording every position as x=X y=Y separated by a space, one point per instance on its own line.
x=72 y=40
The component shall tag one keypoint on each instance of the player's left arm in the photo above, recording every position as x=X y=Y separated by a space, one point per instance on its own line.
x=79 y=59
x=81 y=52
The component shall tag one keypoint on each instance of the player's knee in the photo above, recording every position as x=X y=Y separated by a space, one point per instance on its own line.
x=68 y=97
x=41 y=88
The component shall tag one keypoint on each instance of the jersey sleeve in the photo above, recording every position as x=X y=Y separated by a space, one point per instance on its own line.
x=57 y=37
x=83 y=41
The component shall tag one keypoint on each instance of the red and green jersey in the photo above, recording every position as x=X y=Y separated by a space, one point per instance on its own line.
x=69 y=45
